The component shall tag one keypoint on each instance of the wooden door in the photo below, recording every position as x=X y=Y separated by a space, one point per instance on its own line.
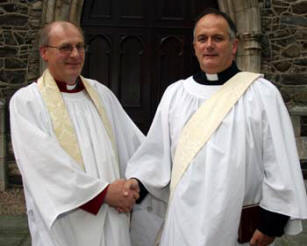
x=137 y=48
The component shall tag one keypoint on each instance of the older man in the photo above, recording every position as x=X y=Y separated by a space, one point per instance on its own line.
x=224 y=142
x=71 y=140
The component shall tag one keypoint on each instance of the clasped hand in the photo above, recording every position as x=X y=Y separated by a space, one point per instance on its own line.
x=122 y=194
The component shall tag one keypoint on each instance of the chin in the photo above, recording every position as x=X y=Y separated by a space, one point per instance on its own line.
x=74 y=72
x=211 y=69
x=72 y=76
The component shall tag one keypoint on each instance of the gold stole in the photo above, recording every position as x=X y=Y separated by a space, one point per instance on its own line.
x=61 y=121
x=205 y=121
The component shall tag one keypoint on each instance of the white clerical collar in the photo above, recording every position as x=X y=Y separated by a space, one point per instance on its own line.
x=64 y=87
x=212 y=77
x=203 y=91
x=71 y=87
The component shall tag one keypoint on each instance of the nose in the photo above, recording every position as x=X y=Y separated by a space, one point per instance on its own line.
x=74 y=52
x=210 y=43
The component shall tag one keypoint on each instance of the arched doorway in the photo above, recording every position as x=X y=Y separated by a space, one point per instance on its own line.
x=137 y=48
x=140 y=18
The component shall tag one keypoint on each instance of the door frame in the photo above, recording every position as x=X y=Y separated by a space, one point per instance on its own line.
x=245 y=14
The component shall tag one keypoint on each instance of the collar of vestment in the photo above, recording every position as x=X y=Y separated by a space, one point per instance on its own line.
x=61 y=122
x=64 y=87
x=216 y=79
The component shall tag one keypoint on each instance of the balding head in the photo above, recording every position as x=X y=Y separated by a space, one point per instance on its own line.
x=46 y=31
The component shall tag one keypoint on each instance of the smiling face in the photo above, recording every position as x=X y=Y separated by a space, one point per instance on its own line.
x=213 y=46
x=64 y=67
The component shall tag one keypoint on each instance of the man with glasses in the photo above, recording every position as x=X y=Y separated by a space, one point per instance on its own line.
x=71 y=140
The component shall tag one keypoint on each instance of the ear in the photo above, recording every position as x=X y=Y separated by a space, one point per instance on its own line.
x=235 y=45
x=43 y=53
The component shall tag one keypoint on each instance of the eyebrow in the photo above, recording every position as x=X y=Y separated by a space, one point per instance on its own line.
x=67 y=43
x=214 y=35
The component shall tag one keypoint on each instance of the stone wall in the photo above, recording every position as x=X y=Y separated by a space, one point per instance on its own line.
x=19 y=59
x=19 y=65
x=284 y=57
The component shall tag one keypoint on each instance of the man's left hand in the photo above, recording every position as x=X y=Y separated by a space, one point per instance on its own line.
x=131 y=185
x=260 y=239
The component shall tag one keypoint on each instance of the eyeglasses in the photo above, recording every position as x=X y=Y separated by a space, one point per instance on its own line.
x=68 y=48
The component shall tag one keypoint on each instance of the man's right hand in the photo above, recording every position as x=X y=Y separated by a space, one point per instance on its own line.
x=116 y=198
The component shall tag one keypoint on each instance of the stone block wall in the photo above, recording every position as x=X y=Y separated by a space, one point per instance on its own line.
x=19 y=58
x=284 y=58
x=19 y=65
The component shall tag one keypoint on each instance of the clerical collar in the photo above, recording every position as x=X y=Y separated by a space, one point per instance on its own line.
x=64 y=87
x=216 y=79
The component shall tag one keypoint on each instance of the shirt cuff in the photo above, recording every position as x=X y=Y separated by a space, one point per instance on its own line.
x=94 y=205
x=272 y=224
x=143 y=192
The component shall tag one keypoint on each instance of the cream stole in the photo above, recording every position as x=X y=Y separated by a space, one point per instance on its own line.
x=205 y=121
x=61 y=121
x=202 y=125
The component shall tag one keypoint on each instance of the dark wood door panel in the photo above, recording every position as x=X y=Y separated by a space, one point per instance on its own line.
x=99 y=59
x=138 y=48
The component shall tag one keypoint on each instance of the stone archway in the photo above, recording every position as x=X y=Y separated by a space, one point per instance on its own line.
x=61 y=10
x=245 y=13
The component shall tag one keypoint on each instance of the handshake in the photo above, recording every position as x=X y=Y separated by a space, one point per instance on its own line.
x=122 y=194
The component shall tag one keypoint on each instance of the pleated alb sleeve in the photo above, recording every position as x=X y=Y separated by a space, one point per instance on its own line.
x=283 y=188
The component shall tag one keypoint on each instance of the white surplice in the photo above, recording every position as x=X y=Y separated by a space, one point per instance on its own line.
x=54 y=184
x=251 y=158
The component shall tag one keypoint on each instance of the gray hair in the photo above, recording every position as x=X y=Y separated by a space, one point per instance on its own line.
x=232 y=29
